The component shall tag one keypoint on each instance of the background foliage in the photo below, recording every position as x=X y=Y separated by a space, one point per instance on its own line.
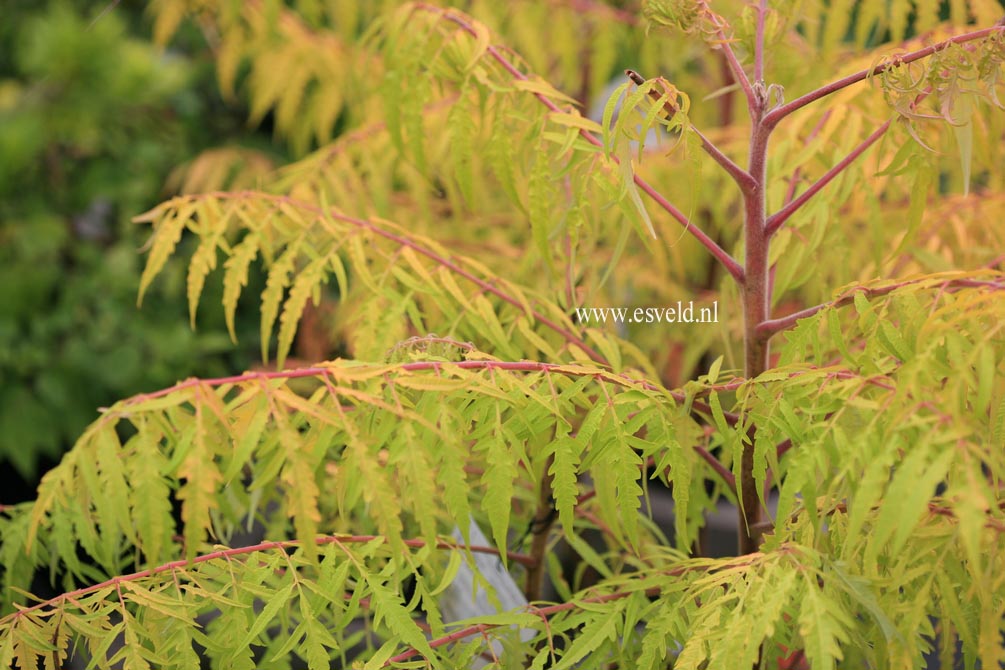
x=93 y=120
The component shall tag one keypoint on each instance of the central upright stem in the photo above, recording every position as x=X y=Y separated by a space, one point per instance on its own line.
x=756 y=306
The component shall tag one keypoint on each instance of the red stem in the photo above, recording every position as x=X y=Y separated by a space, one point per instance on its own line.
x=783 y=447
x=776 y=220
x=544 y=612
x=772 y=118
x=540 y=611
x=738 y=174
x=771 y=327
x=250 y=549
x=512 y=366
x=403 y=241
x=719 y=468
x=718 y=252
x=790 y=193
x=734 y=64
x=323 y=371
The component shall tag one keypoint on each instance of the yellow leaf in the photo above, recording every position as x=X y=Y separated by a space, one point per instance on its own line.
x=541 y=87
x=575 y=121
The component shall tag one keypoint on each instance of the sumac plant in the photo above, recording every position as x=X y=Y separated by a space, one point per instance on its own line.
x=828 y=174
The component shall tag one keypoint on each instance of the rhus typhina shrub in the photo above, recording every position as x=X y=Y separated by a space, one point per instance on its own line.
x=829 y=175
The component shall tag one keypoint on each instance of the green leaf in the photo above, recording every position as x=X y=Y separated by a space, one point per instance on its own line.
x=498 y=482
x=211 y=229
x=823 y=626
x=303 y=287
x=859 y=589
x=235 y=277
x=388 y=608
x=167 y=234
x=151 y=497
x=594 y=634
x=275 y=286
x=540 y=197
x=963 y=130
x=199 y=492
x=628 y=180
x=277 y=601
x=461 y=130
x=565 y=485
x=713 y=371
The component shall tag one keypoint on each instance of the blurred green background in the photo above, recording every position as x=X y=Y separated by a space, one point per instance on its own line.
x=93 y=119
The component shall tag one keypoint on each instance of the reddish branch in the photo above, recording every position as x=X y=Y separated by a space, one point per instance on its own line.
x=772 y=118
x=790 y=193
x=71 y=596
x=774 y=326
x=545 y=612
x=720 y=469
x=404 y=241
x=783 y=447
x=325 y=371
x=511 y=366
x=717 y=465
x=417 y=366
x=775 y=221
x=739 y=175
x=718 y=252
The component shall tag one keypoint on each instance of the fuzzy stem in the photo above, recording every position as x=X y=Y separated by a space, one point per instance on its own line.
x=772 y=327
x=772 y=118
x=734 y=63
x=756 y=304
x=720 y=254
x=776 y=220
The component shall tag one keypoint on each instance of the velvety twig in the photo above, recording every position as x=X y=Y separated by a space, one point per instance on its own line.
x=772 y=118
x=774 y=326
